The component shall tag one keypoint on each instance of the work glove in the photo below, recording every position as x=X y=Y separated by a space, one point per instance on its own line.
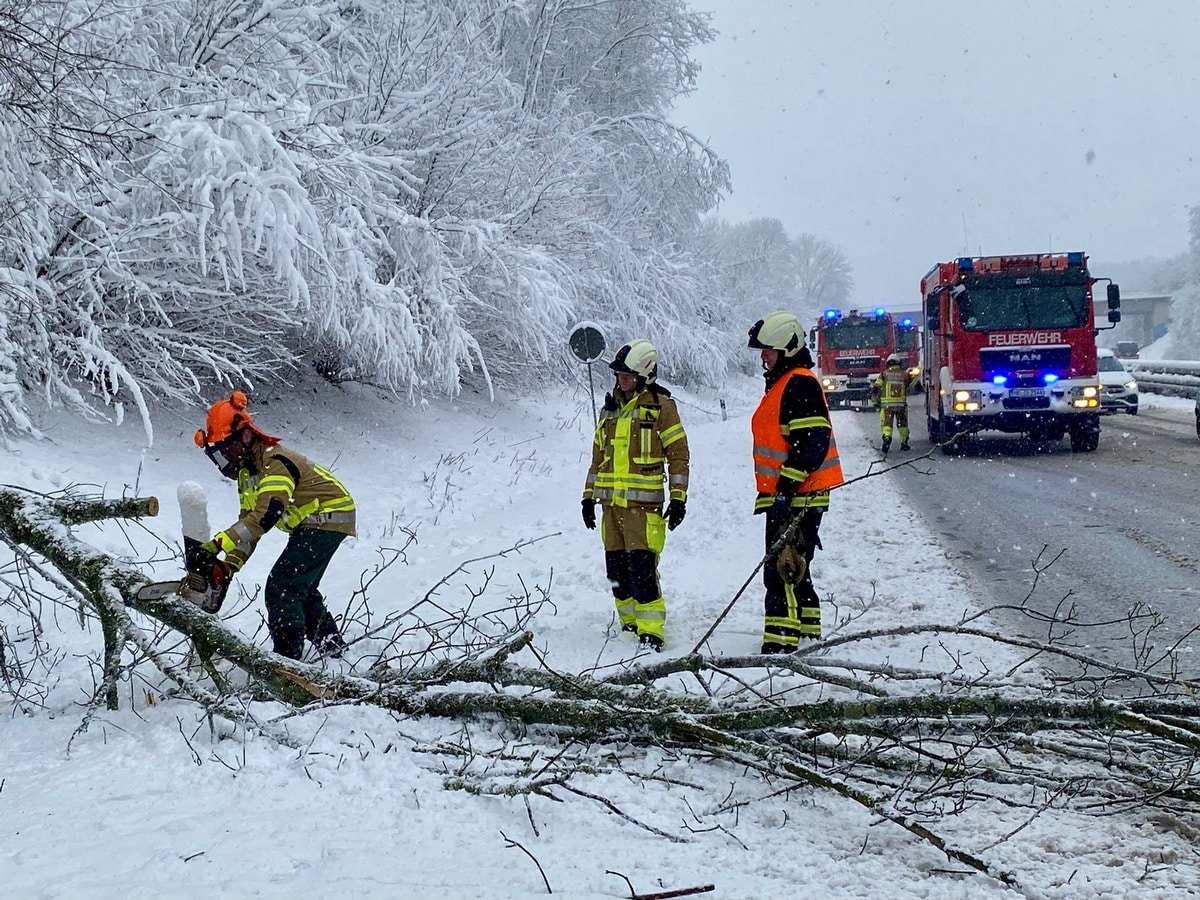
x=676 y=510
x=588 y=506
x=791 y=564
x=781 y=507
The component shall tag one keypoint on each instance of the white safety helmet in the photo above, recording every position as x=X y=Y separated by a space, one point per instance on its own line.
x=895 y=360
x=780 y=331
x=637 y=358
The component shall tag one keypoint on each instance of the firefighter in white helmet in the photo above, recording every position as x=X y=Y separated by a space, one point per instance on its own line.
x=891 y=389
x=638 y=444
x=795 y=466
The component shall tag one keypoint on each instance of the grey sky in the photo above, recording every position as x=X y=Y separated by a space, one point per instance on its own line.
x=908 y=133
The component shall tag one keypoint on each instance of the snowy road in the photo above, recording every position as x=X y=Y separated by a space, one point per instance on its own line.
x=1122 y=525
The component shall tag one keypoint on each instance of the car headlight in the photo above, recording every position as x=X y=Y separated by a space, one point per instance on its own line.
x=1131 y=385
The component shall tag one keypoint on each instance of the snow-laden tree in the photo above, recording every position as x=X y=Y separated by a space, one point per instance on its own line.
x=600 y=77
x=1185 y=301
x=393 y=190
x=757 y=267
x=822 y=272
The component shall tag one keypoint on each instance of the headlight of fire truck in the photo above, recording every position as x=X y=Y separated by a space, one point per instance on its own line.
x=1086 y=397
x=829 y=384
x=967 y=401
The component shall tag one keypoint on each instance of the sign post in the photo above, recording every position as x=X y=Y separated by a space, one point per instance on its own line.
x=587 y=343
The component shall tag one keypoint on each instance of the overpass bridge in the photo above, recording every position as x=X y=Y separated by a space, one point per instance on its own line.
x=1144 y=318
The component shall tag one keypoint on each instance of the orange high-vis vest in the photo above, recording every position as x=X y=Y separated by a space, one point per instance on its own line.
x=771 y=445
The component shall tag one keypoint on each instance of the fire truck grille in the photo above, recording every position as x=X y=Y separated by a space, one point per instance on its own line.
x=871 y=363
x=1010 y=360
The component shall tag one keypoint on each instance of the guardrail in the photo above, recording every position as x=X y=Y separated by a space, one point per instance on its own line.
x=1174 y=377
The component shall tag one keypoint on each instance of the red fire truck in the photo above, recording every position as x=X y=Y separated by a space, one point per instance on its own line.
x=850 y=349
x=1010 y=345
x=908 y=346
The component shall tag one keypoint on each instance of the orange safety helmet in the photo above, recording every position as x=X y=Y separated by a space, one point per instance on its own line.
x=226 y=418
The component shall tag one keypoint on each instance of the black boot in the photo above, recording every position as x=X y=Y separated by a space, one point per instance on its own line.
x=653 y=641
x=887 y=444
x=326 y=637
x=288 y=642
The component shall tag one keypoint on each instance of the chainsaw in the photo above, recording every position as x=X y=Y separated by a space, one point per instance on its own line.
x=206 y=584
x=207 y=580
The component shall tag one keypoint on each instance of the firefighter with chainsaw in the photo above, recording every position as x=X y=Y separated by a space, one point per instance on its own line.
x=890 y=390
x=277 y=488
x=638 y=438
x=795 y=467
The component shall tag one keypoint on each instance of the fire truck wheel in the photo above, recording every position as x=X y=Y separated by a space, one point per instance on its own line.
x=953 y=445
x=1084 y=440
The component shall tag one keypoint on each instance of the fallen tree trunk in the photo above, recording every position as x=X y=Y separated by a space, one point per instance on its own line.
x=910 y=745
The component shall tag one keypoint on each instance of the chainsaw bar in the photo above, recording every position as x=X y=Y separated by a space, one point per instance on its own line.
x=157 y=590
x=210 y=600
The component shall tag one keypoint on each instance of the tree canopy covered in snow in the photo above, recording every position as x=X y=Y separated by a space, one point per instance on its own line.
x=1185 y=300
x=404 y=192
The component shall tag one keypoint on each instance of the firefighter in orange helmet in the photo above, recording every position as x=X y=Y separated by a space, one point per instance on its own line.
x=278 y=488
x=639 y=436
x=795 y=466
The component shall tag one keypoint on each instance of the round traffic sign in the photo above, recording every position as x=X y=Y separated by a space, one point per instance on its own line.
x=587 y=343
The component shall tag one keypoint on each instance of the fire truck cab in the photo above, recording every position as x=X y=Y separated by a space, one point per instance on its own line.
x=1010 y=345
x=851 y=349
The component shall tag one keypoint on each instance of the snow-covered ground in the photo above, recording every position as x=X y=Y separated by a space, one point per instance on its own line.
x=148 y=802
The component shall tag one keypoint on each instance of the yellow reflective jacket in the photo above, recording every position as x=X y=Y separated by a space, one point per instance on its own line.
x=637 y=438
x=892 y=386
x=284 y=490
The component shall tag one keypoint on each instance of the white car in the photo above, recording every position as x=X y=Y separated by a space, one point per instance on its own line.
x=1118 y=388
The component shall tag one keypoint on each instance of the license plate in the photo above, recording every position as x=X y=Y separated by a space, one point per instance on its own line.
x=1026 y=392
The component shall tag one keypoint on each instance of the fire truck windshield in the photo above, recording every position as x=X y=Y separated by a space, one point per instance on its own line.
x=906 y=338
x=856 y=334
x=1024 y=306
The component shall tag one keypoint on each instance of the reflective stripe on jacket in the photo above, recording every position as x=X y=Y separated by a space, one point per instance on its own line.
x=774 y=438
x=893 y=387
x=635 y=441
x=287 y=492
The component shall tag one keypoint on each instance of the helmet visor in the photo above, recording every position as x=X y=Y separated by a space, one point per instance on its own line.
x=227 y=453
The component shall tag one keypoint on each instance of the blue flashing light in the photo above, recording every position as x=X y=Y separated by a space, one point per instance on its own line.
x=966 y=264
x=880 y=311
x=1074 y=259
x=907 y=323
x=1049 y=378
x=832 y=313
x=999 y=379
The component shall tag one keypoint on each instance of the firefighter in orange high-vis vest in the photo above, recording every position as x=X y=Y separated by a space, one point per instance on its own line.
x=278 y=488
x=795 y=466
x=639 y=436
